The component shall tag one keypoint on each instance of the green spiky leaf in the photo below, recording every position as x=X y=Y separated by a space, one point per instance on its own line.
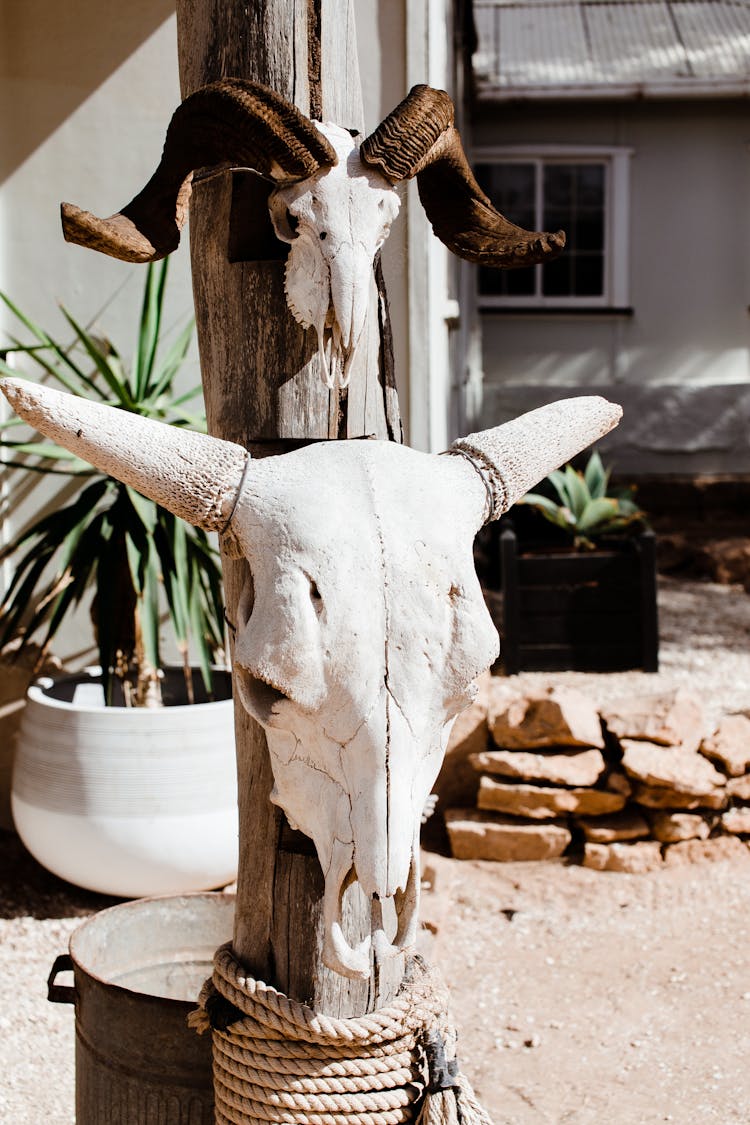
x=596 y=477
x=597 y=513
x=584 y=507
x=109 y=540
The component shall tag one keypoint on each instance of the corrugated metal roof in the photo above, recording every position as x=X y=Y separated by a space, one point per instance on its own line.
x=612 y=48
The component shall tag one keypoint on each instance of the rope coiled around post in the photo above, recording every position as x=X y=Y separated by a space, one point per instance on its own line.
x=277 y=1061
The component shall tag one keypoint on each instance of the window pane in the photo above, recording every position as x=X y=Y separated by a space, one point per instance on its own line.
x=512 y=191
x=557 y=220
x=574 y=198
x=506 y=283
x=559 y=186
x=589 y=230
x=557 y=277
x=590 y=185
x=574 y=201
x=589 y=275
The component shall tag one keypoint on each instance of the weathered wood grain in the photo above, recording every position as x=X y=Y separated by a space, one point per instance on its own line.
x=262 y=382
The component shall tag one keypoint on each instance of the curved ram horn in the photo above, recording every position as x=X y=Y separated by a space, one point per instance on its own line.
x=230 y=122
x=419 y=139
x=192 y=475
x=513 y=457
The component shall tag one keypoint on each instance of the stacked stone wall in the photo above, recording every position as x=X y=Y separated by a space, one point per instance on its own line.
x=628 y=787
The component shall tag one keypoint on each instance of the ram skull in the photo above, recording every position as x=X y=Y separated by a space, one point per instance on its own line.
x=333 y=199
x=367 y=630
x=336 y=222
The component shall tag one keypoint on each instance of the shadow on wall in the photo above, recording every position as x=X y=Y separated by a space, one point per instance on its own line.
x=54 y=56
x=681 y=430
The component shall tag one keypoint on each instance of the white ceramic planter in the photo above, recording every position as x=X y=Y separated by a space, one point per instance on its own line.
x=127 y=802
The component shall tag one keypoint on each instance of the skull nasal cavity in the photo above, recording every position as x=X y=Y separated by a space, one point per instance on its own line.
x=258 y=696
x=315 y=593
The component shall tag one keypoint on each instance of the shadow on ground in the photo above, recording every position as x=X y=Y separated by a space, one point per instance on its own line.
x=27 y=890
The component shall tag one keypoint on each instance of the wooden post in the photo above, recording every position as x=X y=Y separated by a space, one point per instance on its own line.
x=263 y=389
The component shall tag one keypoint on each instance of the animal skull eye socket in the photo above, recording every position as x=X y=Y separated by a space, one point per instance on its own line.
x=245 y=606
x=315 y=595
x=285 y=223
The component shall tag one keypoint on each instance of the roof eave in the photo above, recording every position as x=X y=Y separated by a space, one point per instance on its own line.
x=688 y=90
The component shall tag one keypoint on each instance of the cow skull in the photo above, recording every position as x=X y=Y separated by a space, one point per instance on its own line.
x=367 y=629
x=333 y=199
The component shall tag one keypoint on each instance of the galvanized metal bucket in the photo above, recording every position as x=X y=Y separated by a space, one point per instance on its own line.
x=138 y=969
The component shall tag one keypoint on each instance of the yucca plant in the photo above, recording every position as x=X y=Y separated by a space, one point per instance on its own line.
x=586 y=510
x=107 y=538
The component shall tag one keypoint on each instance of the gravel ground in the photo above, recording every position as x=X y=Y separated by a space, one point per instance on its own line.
x=582 y=997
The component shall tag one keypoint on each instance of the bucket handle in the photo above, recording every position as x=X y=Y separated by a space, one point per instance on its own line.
x=61 y=993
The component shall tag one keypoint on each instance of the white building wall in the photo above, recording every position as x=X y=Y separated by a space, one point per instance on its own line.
x=84 y=98
x=680 y=364
x=85 y=92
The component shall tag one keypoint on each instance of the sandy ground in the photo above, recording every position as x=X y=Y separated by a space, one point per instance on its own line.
x=581 y=996
x=586 y=997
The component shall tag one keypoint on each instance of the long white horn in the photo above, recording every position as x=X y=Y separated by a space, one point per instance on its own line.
x=515 y=456
x=195 y=476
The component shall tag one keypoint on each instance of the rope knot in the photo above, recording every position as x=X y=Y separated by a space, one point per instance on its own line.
x=220 y=1011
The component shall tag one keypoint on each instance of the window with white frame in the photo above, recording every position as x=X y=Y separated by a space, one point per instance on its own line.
x=581 y=191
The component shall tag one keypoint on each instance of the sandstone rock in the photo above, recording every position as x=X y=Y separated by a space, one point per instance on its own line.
x=674 y=719
x=675 y=552
x=475 y=835
x=561 y=767
x=739 y=788
x=457 y=781
x=625 y=825
x=657 y=797
x=729 y=746
x=705 y=851
x=559 y=717
x=619 y=783
x=671 y=827
x=736 y=822
x=542 y=803
x=726 y=560
x=633 y=858
x=673 y=768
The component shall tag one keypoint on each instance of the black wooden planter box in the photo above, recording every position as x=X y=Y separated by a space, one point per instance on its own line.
x=585 y=611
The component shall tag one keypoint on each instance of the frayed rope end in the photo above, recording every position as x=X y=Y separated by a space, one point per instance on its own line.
x=449 y=1098
x=198 y=1020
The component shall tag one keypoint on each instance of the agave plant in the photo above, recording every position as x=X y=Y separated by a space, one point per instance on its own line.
x=585 y=510
x=108 y=538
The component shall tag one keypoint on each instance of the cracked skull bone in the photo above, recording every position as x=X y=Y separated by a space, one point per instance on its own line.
x=367 y=631
x=362 y=628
